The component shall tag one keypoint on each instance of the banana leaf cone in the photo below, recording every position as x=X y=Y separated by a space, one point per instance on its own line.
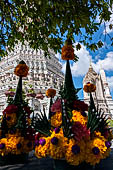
x=69 y=89
x=18 y=96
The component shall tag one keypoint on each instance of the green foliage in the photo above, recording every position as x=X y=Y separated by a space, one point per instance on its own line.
x=97 y=120
x=41 y=123
x=44 y=24
x=68 y=91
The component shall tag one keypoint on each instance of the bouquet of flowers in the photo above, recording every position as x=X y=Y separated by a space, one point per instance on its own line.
x=74 y=132
x=16 y=132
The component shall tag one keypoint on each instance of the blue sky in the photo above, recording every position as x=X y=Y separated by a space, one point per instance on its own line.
x=102 y=58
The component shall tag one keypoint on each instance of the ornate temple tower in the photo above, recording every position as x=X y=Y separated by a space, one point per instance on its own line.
x=101 y=96
x=43 y=74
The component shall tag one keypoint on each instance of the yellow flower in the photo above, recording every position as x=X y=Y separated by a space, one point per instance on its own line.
x=75 y=152
x=27 y=146
x=106 y=153
x=95 y=150
x=42 y=151
x=57 y=147
x=3 y=145
x=56 y=119
x=11 y=119
x=15 y=144
x=77 y=117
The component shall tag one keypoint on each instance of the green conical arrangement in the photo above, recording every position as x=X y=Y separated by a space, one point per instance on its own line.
x=18 y=96
x=69 y=89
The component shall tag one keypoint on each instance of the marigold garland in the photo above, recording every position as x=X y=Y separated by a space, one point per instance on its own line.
x=68 y=52
x=51 y=92
x=89 y=87
x=21 y=70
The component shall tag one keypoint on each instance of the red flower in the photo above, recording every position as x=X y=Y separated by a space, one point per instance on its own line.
x=30 y=133
x=56 y=107
x=80 y=105
x=80 y=131
x=37 y=136
x=10 y=109
x=27 y=109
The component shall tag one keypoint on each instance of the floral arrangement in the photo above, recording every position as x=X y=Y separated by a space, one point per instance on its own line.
x=75 y=132
x=16 y=127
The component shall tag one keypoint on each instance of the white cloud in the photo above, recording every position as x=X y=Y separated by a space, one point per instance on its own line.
x=106 y=63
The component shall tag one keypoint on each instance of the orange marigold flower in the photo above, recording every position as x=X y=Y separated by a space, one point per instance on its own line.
x=68 y=52
x=50 y=92
x=89 y=87
x=21 y=69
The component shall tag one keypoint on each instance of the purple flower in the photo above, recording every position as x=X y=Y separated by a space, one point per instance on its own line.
x=96 y=150
x=83 y=114
x=29 y=144
x=8 y=118
x=2 y=145
x=53 y=113
x=75 y=149
x=54 y=140
x=19 y=145
x=57 y=130
x=108 y=144
x=42 y=142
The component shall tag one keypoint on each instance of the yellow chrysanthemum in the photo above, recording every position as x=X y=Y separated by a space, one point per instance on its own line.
x=57 y=145
x=106 y=154
x=27 y=146
x=75 y=152
x=95 y=150
x=42 y=151
x=11 y=119
x=77 y=117
x=15 y=145
x=56 y=119
x=3 y=145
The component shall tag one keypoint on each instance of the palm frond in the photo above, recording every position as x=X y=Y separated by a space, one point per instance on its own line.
x=41 y=123
x=97 y=120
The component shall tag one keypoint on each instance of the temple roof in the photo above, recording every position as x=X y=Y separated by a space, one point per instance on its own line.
x=91 y=75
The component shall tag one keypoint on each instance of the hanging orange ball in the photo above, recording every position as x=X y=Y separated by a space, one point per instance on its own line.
x=21 y=69
x=50 y=92
x=89 y=87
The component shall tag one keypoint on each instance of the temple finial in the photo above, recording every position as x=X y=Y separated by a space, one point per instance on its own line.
x=90 y=62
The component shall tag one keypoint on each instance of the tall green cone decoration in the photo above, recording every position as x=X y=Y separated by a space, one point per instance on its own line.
x=18 y=96
x=69 y=89
x=68 y=92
